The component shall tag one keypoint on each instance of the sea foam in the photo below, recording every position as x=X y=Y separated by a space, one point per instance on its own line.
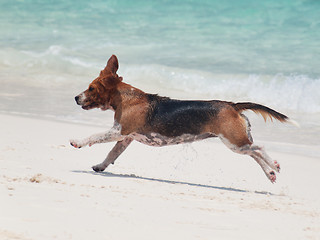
x=294 y=92
x=58 y=66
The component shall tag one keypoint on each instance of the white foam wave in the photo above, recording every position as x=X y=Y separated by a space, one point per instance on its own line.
x=295 y=92
x=54 y=50
x=58 y=65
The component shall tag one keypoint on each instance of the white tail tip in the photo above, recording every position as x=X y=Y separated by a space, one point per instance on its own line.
x=293 y=122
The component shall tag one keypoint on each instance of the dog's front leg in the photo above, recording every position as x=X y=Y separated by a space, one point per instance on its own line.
x=113 y=154
x=113 y=135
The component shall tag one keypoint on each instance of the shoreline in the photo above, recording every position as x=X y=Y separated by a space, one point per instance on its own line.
x=194 y=191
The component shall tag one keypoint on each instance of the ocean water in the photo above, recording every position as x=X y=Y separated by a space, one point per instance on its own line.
x=262 y=51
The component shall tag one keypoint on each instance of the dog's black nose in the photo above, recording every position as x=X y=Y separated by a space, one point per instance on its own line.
x=77 y=98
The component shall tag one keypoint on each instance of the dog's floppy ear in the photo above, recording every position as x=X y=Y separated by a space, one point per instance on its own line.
x=112 y=65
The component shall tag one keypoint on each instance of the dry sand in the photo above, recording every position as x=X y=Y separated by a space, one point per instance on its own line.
x=194 y=191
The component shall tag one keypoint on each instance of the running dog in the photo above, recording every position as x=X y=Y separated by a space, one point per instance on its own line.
x=160 y=121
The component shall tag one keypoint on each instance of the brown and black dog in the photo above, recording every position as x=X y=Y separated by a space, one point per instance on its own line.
x=161 y=121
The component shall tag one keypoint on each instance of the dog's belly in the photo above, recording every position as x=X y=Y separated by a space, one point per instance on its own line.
x=158 y=140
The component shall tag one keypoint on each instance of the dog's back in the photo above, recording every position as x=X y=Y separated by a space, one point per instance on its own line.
x=172 y=118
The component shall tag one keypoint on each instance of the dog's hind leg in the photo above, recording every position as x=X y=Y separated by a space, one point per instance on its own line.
x=259 y=151
x=113 y=154
x=235 y=134
x=260 y=157
x=252 y=151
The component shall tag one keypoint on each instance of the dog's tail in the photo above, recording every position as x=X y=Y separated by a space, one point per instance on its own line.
x=264 y=111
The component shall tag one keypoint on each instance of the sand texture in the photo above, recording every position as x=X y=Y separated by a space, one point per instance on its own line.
x=194 y=191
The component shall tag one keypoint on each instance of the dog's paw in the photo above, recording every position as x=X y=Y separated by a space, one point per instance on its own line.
x=277 y=165
x=98 y=168
x=76 y=144
x=272 y=176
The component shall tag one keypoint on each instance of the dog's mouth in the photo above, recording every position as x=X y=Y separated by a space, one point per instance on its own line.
x=85 y=104
x=88 y=106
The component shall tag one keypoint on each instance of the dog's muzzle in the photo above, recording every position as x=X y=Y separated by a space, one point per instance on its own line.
x=80 y=99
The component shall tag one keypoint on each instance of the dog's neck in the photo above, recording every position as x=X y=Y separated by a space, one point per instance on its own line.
x=125 y=95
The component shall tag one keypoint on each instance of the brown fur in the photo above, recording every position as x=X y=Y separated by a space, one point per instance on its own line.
x=260 y=109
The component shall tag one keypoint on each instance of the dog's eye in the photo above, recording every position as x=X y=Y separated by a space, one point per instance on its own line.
x=91 y=89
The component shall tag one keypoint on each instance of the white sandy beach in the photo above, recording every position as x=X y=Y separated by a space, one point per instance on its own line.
x=195 y=191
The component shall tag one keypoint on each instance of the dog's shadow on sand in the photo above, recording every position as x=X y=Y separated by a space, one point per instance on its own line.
x=133 y=176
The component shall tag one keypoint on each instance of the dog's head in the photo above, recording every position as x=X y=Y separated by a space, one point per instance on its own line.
x=100 y=89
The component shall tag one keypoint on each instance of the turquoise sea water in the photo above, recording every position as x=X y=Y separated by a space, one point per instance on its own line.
x=262 y=51
x=246 y=37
